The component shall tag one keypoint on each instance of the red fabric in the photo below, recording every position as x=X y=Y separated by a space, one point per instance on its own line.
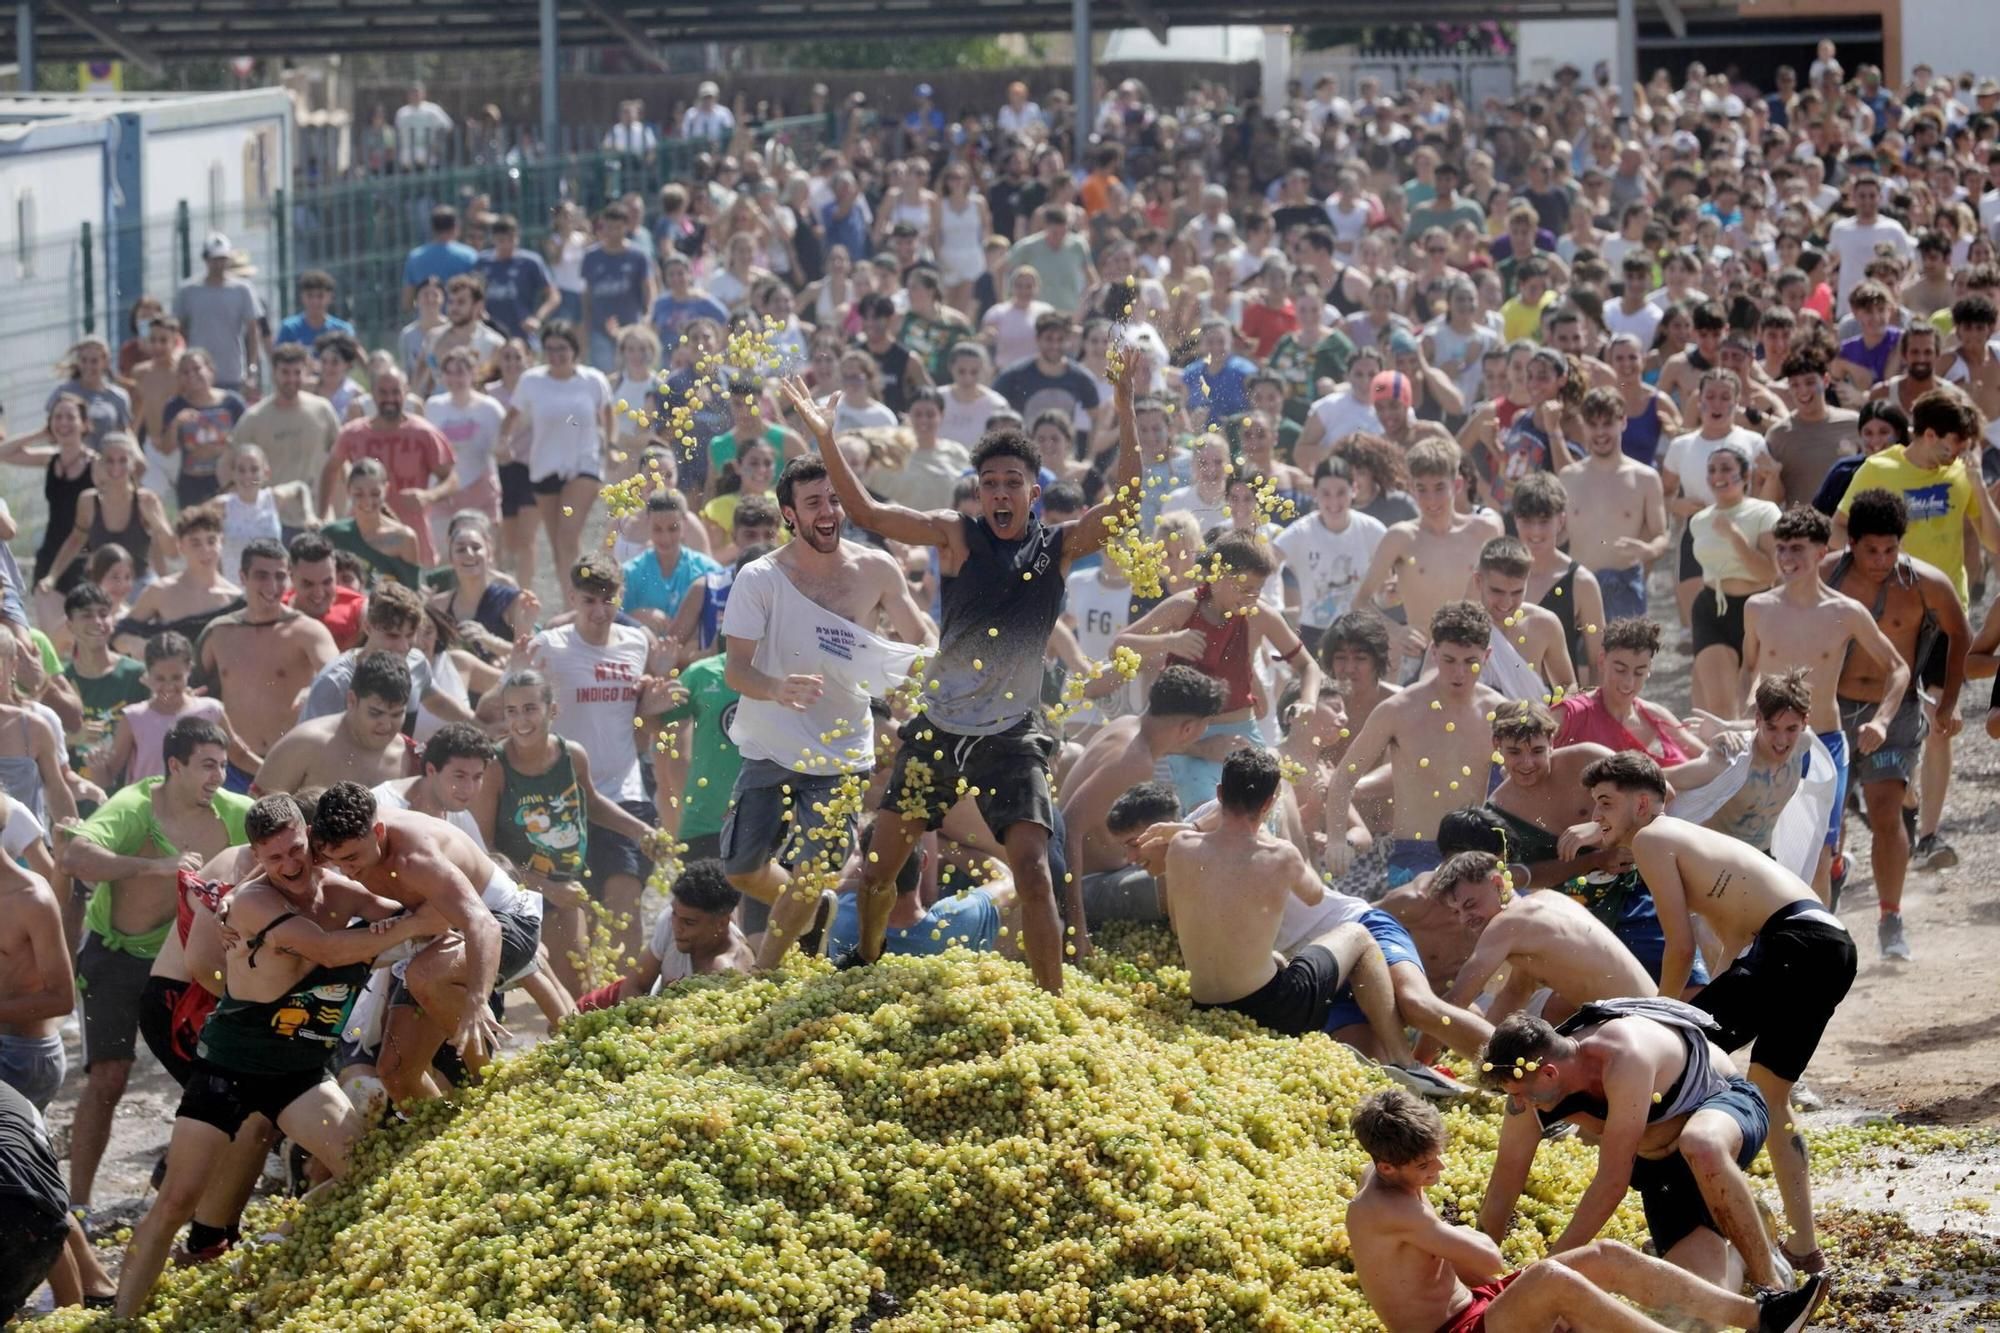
x=1267 y=325
x=343 y=620
x=602 y=998
x=1472 y=1319
x=414 y=453
x=194 y=1004
x=1225 y=654
x=1583 y=717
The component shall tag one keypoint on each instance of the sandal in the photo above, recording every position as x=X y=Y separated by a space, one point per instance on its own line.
x=1813 y=1261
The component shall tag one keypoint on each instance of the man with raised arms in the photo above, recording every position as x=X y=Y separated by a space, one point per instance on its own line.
x=262 y=659
x=1542 y=939
x=1421 y=1274
x=486 y=929
x=1441 y=733
x=1794 y=959
x=363 y=743
x=1617 y=518
x=981 y=726
x=805 y=657
x=1918 y=611
x=1805 y=624
x=1228 y=888
x=1428 y=555
x=291 y=966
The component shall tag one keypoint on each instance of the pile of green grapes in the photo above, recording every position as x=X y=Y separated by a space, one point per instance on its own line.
x=921 y=1145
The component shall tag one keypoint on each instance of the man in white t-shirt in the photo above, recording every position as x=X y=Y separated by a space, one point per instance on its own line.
x=1097 y=610
x=804 y=656
x=455 y=760
x=1348 y=409
x=1328 y=551
x=606 y=676
x=1852 y=240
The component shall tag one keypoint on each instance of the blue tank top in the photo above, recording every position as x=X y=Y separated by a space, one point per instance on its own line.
x=1641 y=440
x=987 y=681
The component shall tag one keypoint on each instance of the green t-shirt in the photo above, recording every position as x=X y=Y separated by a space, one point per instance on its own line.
x=722 y=449
x=104 y=697
x=125 y=825
x=714 y=761
x=1301 y=367
x=930 y=339
x=51 y=659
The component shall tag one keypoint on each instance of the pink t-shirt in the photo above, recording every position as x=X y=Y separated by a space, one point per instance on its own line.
x=150 y=728
x=1582 y=718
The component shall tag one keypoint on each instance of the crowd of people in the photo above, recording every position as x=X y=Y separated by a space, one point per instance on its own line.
x=1264 y=526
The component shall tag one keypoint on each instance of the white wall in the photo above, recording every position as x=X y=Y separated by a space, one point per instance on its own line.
x=1950 y=36
x=216 y=170
x=1542 y=46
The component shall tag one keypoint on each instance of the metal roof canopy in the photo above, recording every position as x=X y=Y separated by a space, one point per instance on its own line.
x=149 y=32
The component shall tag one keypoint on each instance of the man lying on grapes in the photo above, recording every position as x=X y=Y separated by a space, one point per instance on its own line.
x=1421 y=1274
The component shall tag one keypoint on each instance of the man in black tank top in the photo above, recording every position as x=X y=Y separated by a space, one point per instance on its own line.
x=1672 y=1117
x=981 y=731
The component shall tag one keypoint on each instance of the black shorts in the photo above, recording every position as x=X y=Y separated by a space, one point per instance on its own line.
x=156 y=1024
x=613 y=853
x=1297 y=1000
x=516 y=491
x=31 y=1240
x=1010 y=769
x=1931 y=672
x=225 y=1099
x=1718 y=628
x=1689 y=568
x=774 y=813
x=1667 y=1189
x=113 y=986
x=1782 y=992
x=555 y=481
x=520 y=938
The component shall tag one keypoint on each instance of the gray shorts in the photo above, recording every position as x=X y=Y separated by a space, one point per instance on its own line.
x=520 y=938
x=1898 y=756
x=767 y=822
x=1125 y=894
x=33 y=1067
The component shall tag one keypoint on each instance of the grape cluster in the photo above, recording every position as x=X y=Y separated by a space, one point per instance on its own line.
x=932 y=1136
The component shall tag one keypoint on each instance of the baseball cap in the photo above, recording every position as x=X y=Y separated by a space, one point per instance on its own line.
x=1685 y=142
x=708 y=89
x=217 y=246
x=1987 y=88
x=1402 y=344
x=1392 y=384
x=924 y=91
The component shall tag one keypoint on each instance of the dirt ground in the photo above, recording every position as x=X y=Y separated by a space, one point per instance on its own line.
x=1916 y=1042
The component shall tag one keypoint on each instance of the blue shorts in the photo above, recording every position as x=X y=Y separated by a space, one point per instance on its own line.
x=1836 y=745
x=1668 y=1193
x=1397 y=949
x=1195 y=779
x=1642 y=935
x=236 y=780
x=1624 y=592
x=1410 y=857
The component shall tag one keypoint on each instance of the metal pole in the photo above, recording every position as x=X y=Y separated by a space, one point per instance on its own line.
x=1086 y=109
x=89 y=282
x=551 y=52
x=1628 y=56
x=24 y=43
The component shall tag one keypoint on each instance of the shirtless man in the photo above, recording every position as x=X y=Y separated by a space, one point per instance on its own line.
x=1227 y=889
x=1428 y=555
x=1617 y=516
x=133 y=849
x=1355 y=654
x=486 y=929
x=187 y=600
x=1918 y=611
x=1780 y=994
x=37 y=984
x=1919 y=353
x=291 y=968
x=1543 y=940
x=1441 y=732
x=263 y=658
x=1530 y=654
x=363 y=743
x=1671 y=1118
x=1803 y=623
x=1973 y=367
x=1420 y=1274
x=1123 y=754
x=802 y=722
x=1557 y=582
x=1780 y=707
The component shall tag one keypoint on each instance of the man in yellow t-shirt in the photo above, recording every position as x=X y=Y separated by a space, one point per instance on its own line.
x=1943 y=490
x=1521 y=314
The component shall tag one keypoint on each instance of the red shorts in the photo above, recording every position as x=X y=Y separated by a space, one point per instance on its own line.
x=1472 y=1319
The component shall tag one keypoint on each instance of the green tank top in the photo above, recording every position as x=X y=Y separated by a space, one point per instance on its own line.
x=292 y=1034
x=542 y=825
x=345 y=535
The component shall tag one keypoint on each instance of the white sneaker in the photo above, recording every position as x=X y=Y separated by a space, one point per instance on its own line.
x=1425 y=1081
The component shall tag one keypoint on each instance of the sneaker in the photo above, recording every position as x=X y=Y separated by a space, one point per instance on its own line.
x=1910 y=826
x=1425 y=1081
x=1889 y=935
x=847 y=960
x=1933 y=853
x=1836 y=880
x=1805 y=1099
x=1790 y=1311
